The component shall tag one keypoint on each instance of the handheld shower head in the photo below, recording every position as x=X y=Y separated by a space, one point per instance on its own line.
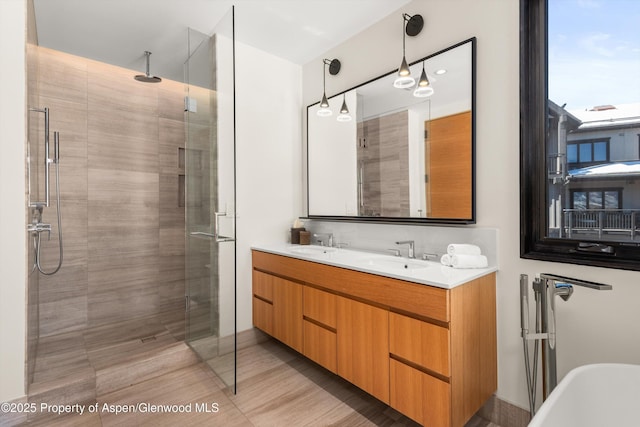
x=147 y=78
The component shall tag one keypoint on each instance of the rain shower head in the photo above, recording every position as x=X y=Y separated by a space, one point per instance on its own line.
x=147 y=78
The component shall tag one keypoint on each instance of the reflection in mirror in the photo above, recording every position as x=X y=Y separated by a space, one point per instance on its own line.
x=403 y=156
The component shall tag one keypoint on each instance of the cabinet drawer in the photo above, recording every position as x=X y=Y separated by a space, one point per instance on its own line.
x=263 y=285
x=419 y=342
x=419 y=396
x=263 y=315
x=320 y=346
x=319 y=306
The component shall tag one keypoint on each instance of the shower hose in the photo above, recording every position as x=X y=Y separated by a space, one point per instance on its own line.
x=37 y=239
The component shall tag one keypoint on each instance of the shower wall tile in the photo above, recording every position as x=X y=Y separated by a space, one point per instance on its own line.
x=172 y=268
x=122 y=287
x=172 y=296
x=65 y=315
x=172 y=137
x=171 y=214
x=122 y=140
x=172 y=242
x=62 y=76
x=123 y=189
x=171 y=100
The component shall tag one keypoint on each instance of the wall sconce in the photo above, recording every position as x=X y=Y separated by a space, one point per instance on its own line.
x=412 y=28
x=344 y=115
x=334 y=68
x=423 y=89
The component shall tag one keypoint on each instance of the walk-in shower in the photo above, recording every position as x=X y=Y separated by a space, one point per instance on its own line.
x=37 y=227
x=143 y=178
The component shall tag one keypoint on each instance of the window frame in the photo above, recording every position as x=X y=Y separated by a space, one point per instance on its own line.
x=534 y=243
x=579 y=142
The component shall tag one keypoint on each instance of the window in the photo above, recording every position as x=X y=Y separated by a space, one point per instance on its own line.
x=579 y=168
x=596 y=199
x=587 y=153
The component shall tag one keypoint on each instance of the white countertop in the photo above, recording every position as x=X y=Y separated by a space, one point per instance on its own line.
x=411 y=270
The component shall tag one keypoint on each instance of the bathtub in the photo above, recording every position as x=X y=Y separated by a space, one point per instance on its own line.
x=594 y=396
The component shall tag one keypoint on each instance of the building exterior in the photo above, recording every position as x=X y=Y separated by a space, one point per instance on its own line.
x=594 y=172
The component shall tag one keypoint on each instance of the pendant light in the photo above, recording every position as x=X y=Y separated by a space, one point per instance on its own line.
x=412 y=28
x=344 y=115
x=334 y=68
x=423 y=89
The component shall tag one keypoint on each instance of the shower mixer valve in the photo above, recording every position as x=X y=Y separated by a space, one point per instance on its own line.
x=39 y=228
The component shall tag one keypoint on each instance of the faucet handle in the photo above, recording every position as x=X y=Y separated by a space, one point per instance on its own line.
x=396 y=252
x=341 y=245
x=427 y=256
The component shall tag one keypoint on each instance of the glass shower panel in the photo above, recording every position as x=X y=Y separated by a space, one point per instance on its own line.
x=210 y=198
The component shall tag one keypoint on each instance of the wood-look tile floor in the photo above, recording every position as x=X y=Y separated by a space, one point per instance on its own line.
x=276 y=387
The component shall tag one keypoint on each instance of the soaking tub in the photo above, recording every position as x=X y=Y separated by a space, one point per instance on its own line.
x=594 y=396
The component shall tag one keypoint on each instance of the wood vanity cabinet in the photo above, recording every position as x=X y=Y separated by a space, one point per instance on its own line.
x=284 y=316
x=430 y=353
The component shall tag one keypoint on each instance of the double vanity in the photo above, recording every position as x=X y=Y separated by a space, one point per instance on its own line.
x=419 y=336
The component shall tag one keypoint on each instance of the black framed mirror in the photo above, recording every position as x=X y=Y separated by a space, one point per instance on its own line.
x=398 y=155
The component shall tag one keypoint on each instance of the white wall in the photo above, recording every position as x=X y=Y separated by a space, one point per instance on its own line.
x=269 y=171
x=592 y=326
x=334 y=180
x=12 y=199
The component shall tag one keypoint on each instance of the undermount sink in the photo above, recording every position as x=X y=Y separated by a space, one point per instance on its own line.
x=311 y=250
x=395 y=263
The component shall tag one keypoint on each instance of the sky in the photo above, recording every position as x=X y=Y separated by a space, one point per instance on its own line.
x=594 y=52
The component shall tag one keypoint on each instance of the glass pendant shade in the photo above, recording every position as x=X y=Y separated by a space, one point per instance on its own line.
x=423 y=89
x=344 y=112
x=324 y=110
x=404 y=79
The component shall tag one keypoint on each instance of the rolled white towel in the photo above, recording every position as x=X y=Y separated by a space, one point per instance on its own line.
x=446 y=260
x=463 y=249
x=469 y=261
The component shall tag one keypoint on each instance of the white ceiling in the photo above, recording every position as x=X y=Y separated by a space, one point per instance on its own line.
x=119 y=31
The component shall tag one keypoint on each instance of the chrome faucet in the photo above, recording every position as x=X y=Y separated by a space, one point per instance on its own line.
x=322 y=236
x=411 y=244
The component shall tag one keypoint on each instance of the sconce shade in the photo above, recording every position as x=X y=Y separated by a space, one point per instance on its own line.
x=324 y=110
x=344 y=115
x=404 y=79
x=423 y=89
x=325 y=102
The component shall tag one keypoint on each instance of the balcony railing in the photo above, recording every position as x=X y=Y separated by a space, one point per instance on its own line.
x=602 y=222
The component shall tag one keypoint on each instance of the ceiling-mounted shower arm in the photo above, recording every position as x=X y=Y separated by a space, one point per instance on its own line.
x=147 y=78
x=147 y=56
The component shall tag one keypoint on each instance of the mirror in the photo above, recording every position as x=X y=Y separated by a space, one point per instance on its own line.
x=398 y=157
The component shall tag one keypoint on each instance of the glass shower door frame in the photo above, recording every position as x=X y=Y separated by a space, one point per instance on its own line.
x=210 y=194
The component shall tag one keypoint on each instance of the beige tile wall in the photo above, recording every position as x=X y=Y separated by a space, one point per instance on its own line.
x=385 y=161
x=123 y=229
